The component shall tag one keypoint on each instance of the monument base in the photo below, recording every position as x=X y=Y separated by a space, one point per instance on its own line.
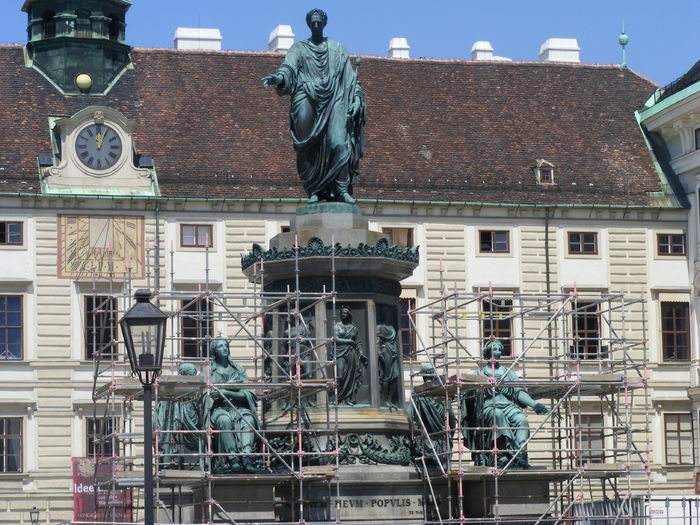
x=516 y=498
x=368 y=494
x=245 y=499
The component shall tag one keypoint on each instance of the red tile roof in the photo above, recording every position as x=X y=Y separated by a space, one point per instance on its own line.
x=441 y=130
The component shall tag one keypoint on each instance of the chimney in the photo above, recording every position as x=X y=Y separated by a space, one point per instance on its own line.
x=399 y=48
x=560 y=50
x=197 y=38
x=281 y=39
x=482 y=50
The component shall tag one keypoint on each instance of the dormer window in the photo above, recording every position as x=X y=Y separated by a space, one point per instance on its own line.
x=544 y=172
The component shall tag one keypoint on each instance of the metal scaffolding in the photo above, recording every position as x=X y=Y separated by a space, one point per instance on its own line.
x=288 y=381
x=583 y=355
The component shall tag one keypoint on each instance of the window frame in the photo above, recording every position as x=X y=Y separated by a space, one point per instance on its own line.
x=200 y=337
x=497 y=330
x=4 y=328
x=546 y=175
x=493 y=241
x=407 y=331
x=581 y=349
x=21 y=234
x=87 y=334
x=582 y=242
x=196 y=245
x=587 y=434
x=3 y=437
x=675 y=332
x=90 y=438
x=671 y=244
x=410 y=235
x=679 y=432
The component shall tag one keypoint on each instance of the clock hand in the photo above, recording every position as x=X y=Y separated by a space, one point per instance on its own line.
x=98 y=140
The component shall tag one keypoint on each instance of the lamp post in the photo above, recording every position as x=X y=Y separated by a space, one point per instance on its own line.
x=34 y=516
x=143 y=328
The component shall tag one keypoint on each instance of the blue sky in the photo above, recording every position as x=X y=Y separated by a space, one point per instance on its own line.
x=663 y=35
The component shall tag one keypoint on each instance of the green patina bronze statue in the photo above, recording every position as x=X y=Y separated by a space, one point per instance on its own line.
x=499 y=408
x=434 y=422
x=232 y=412
x=179 y=424
x=349 y=358
x=327 y=112
x=389 y=366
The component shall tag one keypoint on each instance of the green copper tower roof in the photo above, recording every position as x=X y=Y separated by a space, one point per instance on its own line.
x=79 y=47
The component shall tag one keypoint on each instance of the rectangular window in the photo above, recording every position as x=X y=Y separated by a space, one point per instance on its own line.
x=678 y=431
x=11 y=444
x=546 y=175
x=670 y=244
x=196 y=325
x=494 y=241
x=97 y=429
x=583 y=243
x=10 y=327
x=401 y=237
x=496 y=321
x=592 y=438
x=11 y=233
x=196 y=235
x=697 y=138
x=675 y=331
x=100 y=326
x=406 y=330
x=586 y=331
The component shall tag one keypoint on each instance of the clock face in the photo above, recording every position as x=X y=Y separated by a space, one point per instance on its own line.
x=98 y=146
x=100 y=246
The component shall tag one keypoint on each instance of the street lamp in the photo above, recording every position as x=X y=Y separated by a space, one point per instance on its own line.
x=143 y=328
x=34 y=516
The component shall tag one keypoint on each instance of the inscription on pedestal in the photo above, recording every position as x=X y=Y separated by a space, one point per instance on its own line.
x=369 y=507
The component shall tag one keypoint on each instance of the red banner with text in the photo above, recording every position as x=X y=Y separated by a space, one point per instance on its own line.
x=107 y=505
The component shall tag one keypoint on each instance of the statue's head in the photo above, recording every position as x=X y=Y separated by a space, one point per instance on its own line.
x=187 y=369
x=314 y=15
x=218 y=347
x=491 y=347
x=345 y=313
x=428 y=372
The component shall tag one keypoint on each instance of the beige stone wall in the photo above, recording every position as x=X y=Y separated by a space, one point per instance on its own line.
x=60 y=375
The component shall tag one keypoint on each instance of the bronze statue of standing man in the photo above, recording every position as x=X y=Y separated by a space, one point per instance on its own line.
x=327 y=112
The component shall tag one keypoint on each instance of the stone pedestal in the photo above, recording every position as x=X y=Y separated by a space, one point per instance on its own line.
x=524 y=496
x=246 y=500
x=331 y=248
x=368 y=494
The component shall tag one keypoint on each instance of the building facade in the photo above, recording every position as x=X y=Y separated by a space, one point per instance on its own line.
x=517 y=177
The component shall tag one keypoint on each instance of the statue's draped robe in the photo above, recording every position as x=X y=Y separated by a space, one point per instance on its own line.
x=499 y=407
x=389 y=368
x=431 y=413
x=178 y=416
x=323 y=85
x=349 y=362
x=226 y=417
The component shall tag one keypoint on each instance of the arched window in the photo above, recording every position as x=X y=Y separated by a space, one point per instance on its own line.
x=48 y=24
x=114 y=27
x=82 y=23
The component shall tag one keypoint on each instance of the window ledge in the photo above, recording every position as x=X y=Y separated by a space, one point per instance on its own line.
x=19 y=476
x=678 y=468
